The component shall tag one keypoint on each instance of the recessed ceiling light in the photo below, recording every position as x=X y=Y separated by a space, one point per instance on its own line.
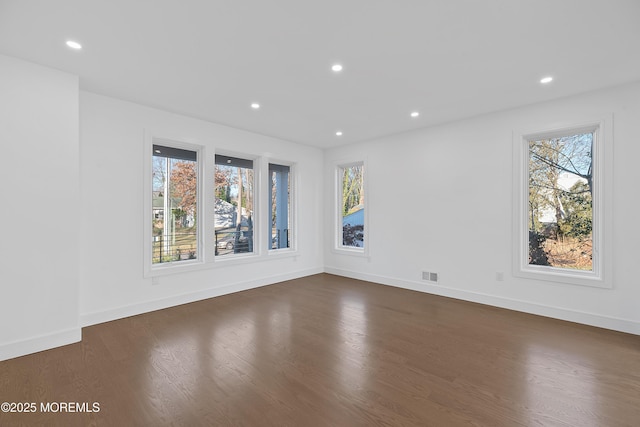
x=415 y=114
x=74 y=45
x=336 y=67
x=339 y=133
x=546 y=80
x=255 y=105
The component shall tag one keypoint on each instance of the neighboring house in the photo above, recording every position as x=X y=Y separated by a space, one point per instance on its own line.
x=353 y=228
x=158 y=205
x=226 y=215
x=355 y=217
x=158 y=209
x=225 y=212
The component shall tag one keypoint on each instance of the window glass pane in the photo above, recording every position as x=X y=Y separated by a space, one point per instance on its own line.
x=174 y=204
x=279 y=177
x=352 y=206
x=560 y=213
x=234 y=188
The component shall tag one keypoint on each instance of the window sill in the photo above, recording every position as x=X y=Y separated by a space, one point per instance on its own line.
x=227 y=261
x=235 y=259
x=357 y=252
x=175 y=267
x=282 y=253
x=557 y=275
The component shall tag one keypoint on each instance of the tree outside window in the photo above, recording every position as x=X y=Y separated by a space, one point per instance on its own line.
x=234 y=205
x=352 y=205
x=561 y=201
x=280 y=206
x=174 y=203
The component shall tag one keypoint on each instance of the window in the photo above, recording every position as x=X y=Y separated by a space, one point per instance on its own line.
x=351 y=206
x=560 y=218
x=174 y=205
x=561 y=201
x=234 y=205
x=192 y=223
x=280 y=206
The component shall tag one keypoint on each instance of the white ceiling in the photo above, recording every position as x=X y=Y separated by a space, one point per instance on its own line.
x=447 y=59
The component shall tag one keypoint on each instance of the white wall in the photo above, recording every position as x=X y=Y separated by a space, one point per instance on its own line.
x=458 y=224
x=71 y=257
x=111 y=217
x=39 y=176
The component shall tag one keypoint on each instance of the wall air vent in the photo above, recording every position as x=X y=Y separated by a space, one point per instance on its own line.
x=430 y=276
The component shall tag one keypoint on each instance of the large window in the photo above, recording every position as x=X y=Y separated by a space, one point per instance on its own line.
x=351 y=205
x=234 y=205
x=174 y=214
x=560 y=217
x=280 y=206
x=561 y=201
x=207 y=211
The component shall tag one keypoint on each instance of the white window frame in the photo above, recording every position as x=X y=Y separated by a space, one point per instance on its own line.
x=160 y=269
x=293 y=231
x=601 y=274
x=206 y=209
x=258 y=240
x=338 y=247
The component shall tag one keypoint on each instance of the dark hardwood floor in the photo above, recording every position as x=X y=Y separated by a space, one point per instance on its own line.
x=331 y=351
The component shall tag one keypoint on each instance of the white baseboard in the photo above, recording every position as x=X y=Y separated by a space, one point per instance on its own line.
x=40 y=343
x=88 y=319
x=591 y=319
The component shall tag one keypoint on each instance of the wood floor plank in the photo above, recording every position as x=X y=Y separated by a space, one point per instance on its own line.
x=331 y=351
